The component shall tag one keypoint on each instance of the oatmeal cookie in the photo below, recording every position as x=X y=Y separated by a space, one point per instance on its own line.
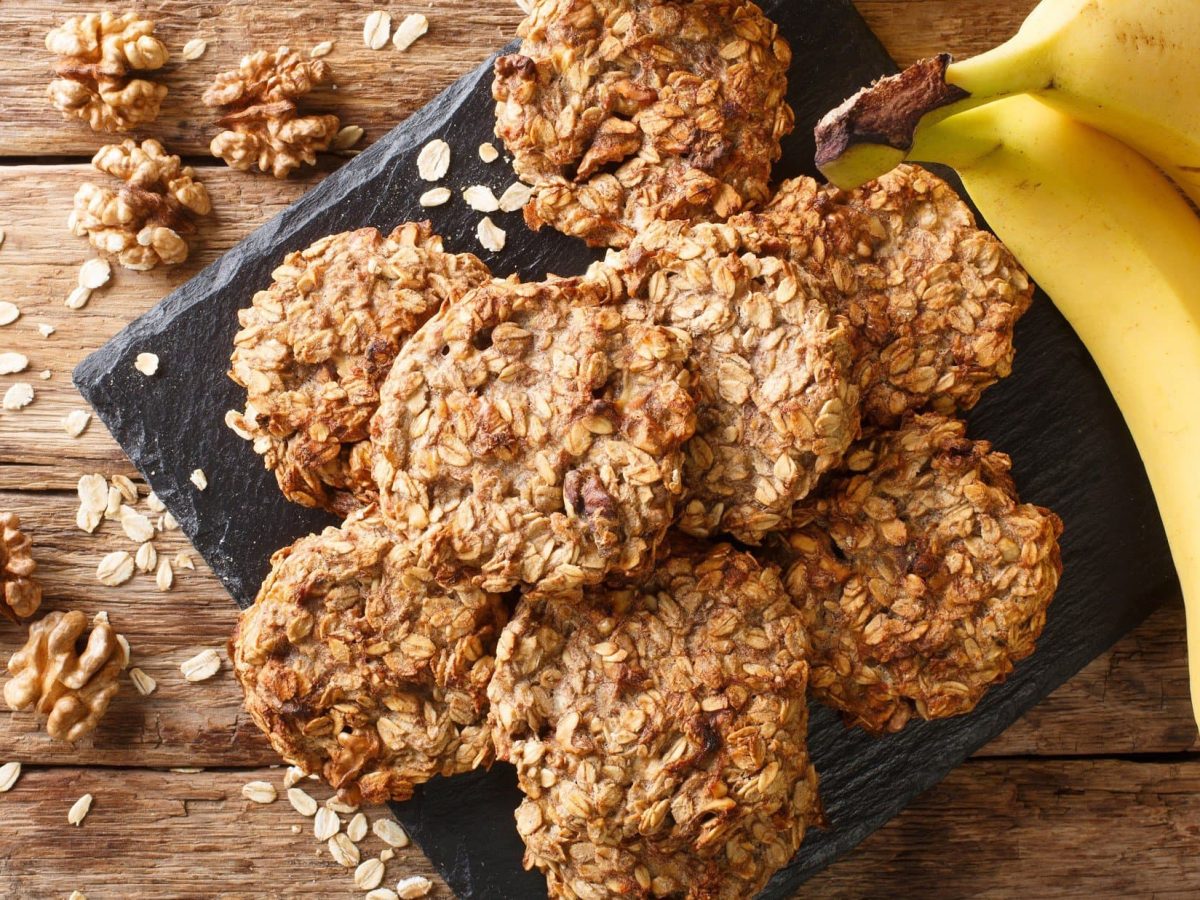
x=659 y=732
x=530 y=434
x=316 y=345
x=359 y=666
x=620 y=112
x=771 y=371
x=932 y=298
x=920 y=577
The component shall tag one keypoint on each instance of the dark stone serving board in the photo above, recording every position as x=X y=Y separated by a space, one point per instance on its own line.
x=1055 y=417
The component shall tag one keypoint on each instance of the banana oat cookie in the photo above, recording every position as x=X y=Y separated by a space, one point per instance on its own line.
x=931 y=297
x=359 y=666
x=659 y=732
x=771 y=372
x=620 y=112
x=530 y=434
x=316 y=345
x=920 y=577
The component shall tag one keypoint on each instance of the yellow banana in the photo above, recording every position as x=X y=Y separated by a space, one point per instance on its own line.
x=1128 y=67
x=1118 y=249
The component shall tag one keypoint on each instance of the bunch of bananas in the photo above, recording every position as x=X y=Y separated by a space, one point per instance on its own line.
x=1079 y=139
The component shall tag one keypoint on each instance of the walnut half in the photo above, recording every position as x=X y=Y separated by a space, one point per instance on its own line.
x=144 y=222
x=97 y=54
x=22 y=592
x=62 y=676
x=262 y=122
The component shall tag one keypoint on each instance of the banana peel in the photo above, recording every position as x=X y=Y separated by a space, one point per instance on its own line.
x=1127 y=67
x=1117 y=247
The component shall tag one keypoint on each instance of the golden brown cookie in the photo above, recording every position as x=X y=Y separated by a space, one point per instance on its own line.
x=620 y=112
x=770 y=368
x=659 y=732
x=920 y=576
x=316 y=345
x=931 y=297
x=530 y=434
x=359 y=666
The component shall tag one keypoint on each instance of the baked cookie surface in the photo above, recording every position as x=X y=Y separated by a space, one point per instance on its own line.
x=659 y=732
x=620 y=112
x=360 y=667
x=315 y=346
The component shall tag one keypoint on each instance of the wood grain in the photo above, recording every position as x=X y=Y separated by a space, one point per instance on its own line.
x=169 y=836
x=1045 y=829
x=1003 y=825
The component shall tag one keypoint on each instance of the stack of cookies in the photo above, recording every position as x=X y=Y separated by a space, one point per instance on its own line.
x=615 y=529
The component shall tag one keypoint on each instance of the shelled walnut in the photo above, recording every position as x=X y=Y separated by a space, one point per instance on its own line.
x=263 y=124
x=22 y=592
x=97 y=55
x=64 y=677
x=145 y=221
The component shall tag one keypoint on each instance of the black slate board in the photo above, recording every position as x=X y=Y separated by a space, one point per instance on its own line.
x=1054 y=416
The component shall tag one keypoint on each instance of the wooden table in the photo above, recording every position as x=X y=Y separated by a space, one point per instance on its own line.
x=1094 y=793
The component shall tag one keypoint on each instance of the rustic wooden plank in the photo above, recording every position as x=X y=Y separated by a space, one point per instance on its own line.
x=168 y=835
x=39 y=265
x=994 y=829
x=376 y=89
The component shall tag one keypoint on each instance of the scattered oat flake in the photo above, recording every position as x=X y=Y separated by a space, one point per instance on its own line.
x=381 y=894
x=347 y=137
x=183 y=560
x=77 y=895
x=301 y=801
x=194 y=49
x=515 y=196
x=376 y=29
x=10 y=772
x=296 y=829
x=78 y=297
x=409 y=30
x=135 y=525
x=186 y=770
x=154 y=503
x=11 y=363
x=488 y=152
x=326 y=824
x=338 y=806
x=9 y=312
x=146 y=557
x=165 y=576
x=491 y=236
x=343 y=851
x=146 y=363
x=44 y=374
x=356 y=828
x=116 y=568
x=413 y=886
x=435 y=196
x=481 y=199
x=46 y=330
x=144 y=684
x=387 y=853
x=292 y=776
x=433 y=162
x=202 y=666
x=322 y=49
x=128 y=490
x=94 y=273
x=126 y=650
x=19 y=396
x=390 y=832
x=199 y=479
x=169 y=523
x=369 y=875
x=259 y=791
x=79 y=810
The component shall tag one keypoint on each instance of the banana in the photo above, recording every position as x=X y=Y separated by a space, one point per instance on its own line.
x=1131 y=68
x=1118 y=248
